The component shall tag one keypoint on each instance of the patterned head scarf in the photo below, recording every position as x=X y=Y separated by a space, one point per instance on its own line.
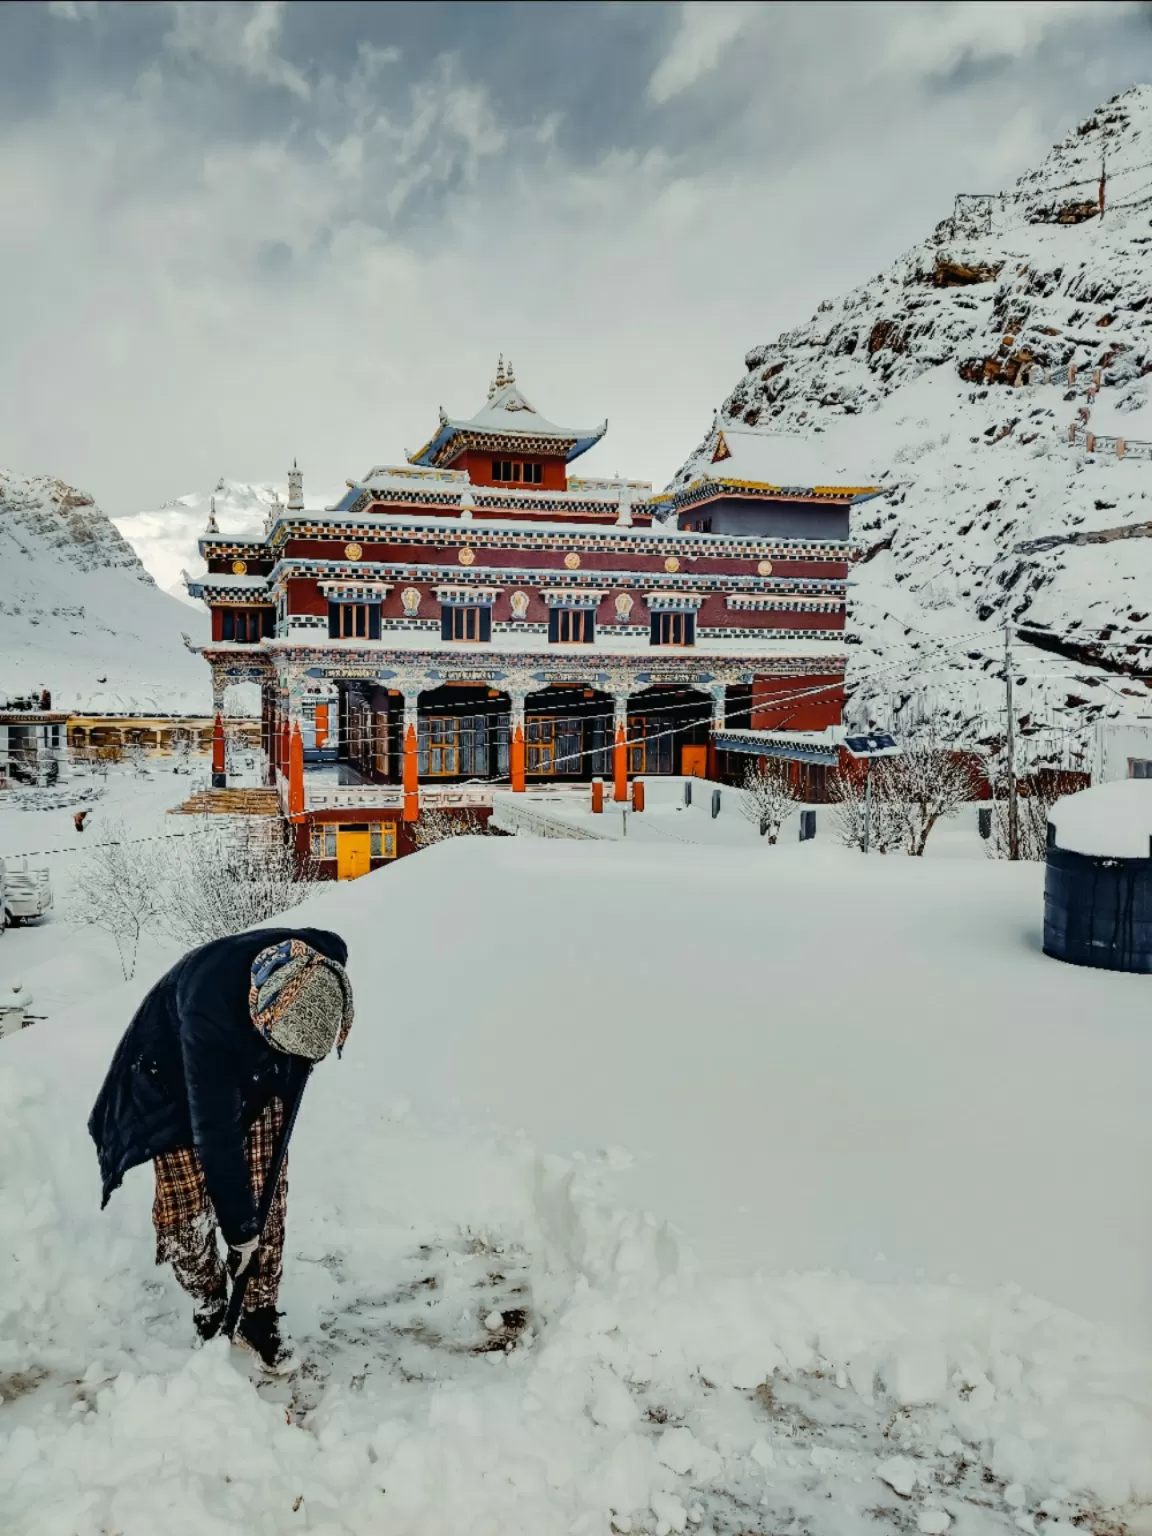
x=300 y=1000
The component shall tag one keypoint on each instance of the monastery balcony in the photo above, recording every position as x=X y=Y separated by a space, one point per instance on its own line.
x=323 y=792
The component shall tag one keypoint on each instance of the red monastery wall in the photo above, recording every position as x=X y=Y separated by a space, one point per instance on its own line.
x=811 y=712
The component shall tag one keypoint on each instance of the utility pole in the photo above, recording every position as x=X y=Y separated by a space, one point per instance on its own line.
x=1010 y=744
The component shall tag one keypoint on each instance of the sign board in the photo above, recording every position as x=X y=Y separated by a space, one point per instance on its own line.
x=588 y=678
x=465 y=675
x=674 y=677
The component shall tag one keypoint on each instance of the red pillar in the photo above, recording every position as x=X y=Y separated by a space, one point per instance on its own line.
x=411 y=782
x=620 y=765
x=296 y=775
x=637 y=794
x=597 y=797
x=218 y=754
x=517 y=760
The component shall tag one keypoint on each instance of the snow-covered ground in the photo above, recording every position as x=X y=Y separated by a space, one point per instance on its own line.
x=871 y=1123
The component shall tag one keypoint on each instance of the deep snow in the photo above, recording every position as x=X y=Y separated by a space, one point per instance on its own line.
x=815 y=1059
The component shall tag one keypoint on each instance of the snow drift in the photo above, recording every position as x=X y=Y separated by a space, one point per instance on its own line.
x=499 y=1339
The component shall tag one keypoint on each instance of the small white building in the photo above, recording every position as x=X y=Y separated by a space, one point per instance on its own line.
x=1123 y=750
x=33 y=744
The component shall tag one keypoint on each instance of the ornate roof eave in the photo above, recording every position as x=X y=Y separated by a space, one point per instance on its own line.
x=454 y=437
x=708 y=489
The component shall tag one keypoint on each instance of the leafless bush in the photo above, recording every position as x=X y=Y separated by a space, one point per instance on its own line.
x=227 y=874
x=435 y=825
x=1035 y=796
x=910 y=794
x=118 y=887
x=929 y=780
x=768 y=796
x=851 y=814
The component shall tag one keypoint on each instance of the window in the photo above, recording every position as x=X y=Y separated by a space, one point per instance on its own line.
x=513 y=471
x=673 y=629
x=458 y=623
x=571 y=626
x=1139 y=768
x=553 y=746
x=354 y=621
x=246 y=625
x=451 y=746
x=324 y=840
x=383 y=842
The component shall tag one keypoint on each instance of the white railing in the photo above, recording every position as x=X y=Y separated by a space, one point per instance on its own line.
x=510 y=814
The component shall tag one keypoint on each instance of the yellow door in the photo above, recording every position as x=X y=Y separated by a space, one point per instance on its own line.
x=353 y=852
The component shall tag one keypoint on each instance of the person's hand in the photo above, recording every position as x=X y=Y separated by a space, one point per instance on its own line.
x=241 y=1256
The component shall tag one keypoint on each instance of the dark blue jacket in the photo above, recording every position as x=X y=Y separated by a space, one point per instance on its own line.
x=192 y=1070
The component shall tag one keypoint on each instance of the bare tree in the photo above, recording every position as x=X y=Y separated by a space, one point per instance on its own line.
x=851 y=812
x=1036 y=795
x=227 y=874
x=135 y=754
x=183 y=750
x=436 y=825
x=118 y=887
x=928 y=780
x=769 y=795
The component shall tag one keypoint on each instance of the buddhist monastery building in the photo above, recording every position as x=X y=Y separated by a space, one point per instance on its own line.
x=481 y=617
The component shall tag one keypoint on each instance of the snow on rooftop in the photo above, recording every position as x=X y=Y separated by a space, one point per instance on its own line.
x=1110 y=821
x=771 y=458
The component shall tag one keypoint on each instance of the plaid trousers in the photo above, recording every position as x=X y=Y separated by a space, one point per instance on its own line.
x=185 y=1222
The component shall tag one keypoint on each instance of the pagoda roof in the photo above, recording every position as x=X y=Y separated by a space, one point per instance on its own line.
x=777 y=463
x=507 y=414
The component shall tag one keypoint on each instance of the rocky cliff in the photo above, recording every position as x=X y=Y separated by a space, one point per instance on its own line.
x=984 y=380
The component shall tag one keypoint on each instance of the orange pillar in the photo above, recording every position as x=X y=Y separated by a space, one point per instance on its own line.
x=411 y=782
x=620 y=764
x=597 y=797
x=218 y=754
x=516 y=762
x=296 y=775
x=637 y=794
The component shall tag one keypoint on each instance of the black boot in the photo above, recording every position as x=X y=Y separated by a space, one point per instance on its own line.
x=259 y=1331
x=208 y=1316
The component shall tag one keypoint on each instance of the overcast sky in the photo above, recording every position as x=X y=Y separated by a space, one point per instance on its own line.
x=231 y=234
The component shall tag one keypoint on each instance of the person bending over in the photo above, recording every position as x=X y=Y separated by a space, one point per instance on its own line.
x=198 y=1086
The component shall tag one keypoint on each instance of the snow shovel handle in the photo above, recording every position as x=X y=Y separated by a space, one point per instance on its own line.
x=268 y=1194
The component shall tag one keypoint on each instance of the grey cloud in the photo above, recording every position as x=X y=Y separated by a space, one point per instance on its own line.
x=358 y=205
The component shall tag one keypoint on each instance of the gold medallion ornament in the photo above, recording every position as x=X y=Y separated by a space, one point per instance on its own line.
x=765 y=568
x=353 y=551
x=572 y=560
x=466 y=556
x=671 y=564
x=239 y=567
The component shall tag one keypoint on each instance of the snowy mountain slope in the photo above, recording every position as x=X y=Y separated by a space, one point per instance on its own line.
x=80 y=615
x=953 y=379
x=166 y=539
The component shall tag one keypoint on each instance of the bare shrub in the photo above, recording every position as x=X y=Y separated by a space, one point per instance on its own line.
x=118 y=887
x=436 y=825
x=1036 y=794
x=850 y=812
x=926 y=782
x=769 y=795
x=227 y=874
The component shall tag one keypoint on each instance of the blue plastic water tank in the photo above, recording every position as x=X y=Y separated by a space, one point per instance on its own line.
x=1098 y=878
